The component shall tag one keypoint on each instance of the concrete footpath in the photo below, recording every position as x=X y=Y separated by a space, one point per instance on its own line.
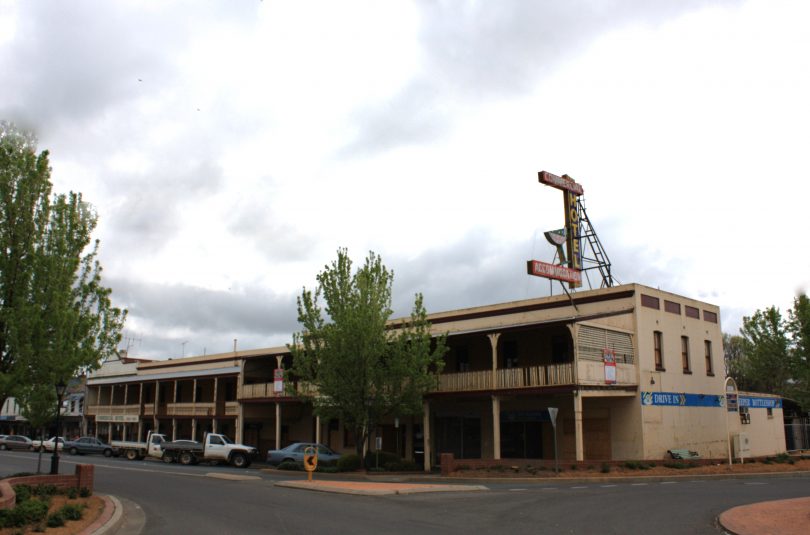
x=778 y=517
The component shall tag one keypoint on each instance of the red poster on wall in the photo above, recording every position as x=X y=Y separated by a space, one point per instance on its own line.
x=609 y=358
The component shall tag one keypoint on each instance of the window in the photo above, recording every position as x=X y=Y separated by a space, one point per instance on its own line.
x=659 y=350
x=650 y=302
x=770 y=412
x=691 y=312
x=745 y=416
x=709 y=316
x=708 y=345
x=685 y=354
x=672 y=307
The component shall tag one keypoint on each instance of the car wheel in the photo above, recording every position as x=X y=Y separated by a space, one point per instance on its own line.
x=131 y=455
x=74 y=451
x=239 y=460
x=168 y=458
x=3 y=447
x=108 y=453
x=186 y=458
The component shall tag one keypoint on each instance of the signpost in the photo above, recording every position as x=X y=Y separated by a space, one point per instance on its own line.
x=731 y=397
x=552 y=414
x=310 y=460
x=278 y=380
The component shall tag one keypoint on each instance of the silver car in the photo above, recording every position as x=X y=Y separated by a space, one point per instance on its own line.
x=15 y=442
x=295 y=453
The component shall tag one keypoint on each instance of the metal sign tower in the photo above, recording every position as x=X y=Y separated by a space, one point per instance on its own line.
x=583 y=251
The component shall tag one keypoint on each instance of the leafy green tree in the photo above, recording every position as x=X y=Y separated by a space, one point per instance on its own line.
x=56 y=318
x=735 y=359
x=767 y=362
x=357 y=366
x=38 y=406
x=798 y=326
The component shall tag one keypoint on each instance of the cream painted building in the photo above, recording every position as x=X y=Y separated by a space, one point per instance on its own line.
x=632 y=371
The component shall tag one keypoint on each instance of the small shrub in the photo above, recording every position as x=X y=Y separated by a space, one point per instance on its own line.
x=349 y=463
x=72 y=511
x=605 y=468
x=383 y=457
x=791 y=461
x=590 y=467
x=84 y=492
x=782 y=458
x=28 y=512
x=72 y=493
x=573 y=467
x=23 y=492
x=531 y=469
x=402 y=466
x=327 y=469
x=56 y=520
x=45 y=490
x=290 y=465
x=631 y=465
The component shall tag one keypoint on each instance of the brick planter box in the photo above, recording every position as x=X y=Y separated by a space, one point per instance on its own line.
x=82 y=478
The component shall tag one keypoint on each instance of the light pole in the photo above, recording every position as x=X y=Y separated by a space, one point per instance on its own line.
x=60 y=391
x=729 y=408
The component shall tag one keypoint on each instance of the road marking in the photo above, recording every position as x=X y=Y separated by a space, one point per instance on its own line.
x=579 y=487
x=669 y=482
x=639 y=484
x=516 y=490
x=608 y=486
x=549 y=488
x=755 y=483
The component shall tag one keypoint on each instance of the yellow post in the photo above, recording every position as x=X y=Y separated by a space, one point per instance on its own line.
x=310 y=461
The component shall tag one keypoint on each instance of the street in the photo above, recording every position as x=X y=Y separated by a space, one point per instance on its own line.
x=190 y=499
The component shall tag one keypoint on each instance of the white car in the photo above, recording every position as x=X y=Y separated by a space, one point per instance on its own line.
x=47 y=445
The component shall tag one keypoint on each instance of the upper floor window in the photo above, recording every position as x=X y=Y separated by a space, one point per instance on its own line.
x=708 y=350
x=685 y=354
x=658 y=343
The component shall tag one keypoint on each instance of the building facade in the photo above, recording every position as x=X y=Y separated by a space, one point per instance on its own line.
x=630 y=372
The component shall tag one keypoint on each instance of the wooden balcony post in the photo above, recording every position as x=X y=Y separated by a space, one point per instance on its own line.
x=496 y=427
x=278 y=425
x=493 y=341
x=426 y=447
x=317 y=429
x=155 y=408
x=578 y=439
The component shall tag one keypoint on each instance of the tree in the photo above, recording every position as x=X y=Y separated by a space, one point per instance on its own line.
x=362 y=369
x=735 y=359
x=765 y=345
x=56 y=318
x=798 y=326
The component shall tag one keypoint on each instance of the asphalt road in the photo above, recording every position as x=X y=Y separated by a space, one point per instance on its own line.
x=189 y=499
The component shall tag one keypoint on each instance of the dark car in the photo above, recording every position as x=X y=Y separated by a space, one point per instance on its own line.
x=15 y=442
x=88 y=445
x=295 y=453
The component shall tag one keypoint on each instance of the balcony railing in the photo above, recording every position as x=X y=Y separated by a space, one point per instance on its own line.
x=231 y=408
x=190 y=409
x=528 y=377
x=112 y=410
x=258 y=391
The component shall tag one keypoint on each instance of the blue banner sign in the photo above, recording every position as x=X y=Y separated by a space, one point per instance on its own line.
x=683 y=399
x=760 y=403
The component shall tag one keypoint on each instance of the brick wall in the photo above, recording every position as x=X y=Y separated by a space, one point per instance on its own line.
x=83 y=477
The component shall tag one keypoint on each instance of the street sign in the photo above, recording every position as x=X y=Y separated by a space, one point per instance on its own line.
x=278 y=380
x=310 y=460
x=731 y=402
x=552 y=414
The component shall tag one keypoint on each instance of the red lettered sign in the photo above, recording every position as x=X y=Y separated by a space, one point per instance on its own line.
x=551 y=271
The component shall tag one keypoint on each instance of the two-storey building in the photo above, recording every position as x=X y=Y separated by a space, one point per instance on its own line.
x=632 y=372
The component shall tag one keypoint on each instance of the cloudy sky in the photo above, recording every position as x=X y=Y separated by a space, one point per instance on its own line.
x=230 y=148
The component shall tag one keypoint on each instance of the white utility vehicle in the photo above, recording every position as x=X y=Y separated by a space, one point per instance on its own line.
x=135 y=451
x=213 y=448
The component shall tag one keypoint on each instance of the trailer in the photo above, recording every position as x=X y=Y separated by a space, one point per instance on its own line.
x=135 y=451
x=213 y=448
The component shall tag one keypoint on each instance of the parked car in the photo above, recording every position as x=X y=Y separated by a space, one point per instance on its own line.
x=47 y=445
x=295 y=453
x=85 y=445
x=14 y=442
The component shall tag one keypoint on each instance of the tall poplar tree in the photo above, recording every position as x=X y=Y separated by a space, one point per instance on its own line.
x=56 y=318
x=362 y=369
